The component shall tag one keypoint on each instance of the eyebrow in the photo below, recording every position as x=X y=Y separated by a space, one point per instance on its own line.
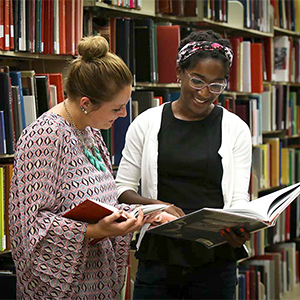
x=203 y=77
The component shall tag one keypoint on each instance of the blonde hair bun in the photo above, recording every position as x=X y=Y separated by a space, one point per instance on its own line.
x=92 y=47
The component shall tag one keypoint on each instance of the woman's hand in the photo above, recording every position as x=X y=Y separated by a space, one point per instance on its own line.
x=162 y=218
x=236 y=240
x=108 y=226
x=175 y=211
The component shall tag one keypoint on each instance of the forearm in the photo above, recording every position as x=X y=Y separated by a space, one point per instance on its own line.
x=131 y=197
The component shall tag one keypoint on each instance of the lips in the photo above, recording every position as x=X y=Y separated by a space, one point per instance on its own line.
x=201 y=101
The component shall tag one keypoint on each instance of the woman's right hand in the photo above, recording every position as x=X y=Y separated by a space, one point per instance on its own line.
x=108 y=226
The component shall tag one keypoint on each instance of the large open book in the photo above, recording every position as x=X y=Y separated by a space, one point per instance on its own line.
x=204 y=225
x=91 y=211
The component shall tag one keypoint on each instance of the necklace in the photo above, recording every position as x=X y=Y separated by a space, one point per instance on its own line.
x=94 y=158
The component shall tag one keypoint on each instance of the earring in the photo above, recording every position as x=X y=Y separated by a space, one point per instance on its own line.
x=83 y=110
x=178 y=80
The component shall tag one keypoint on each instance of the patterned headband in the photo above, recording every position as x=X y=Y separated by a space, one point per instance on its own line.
x=193 y=47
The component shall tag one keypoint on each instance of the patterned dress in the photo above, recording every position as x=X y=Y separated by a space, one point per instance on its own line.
x=52 y=257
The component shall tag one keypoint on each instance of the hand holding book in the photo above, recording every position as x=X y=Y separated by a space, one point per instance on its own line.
x=106 y=220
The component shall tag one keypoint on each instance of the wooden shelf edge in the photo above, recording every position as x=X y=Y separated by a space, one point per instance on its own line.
x=286 y=31
x=6 y=156
x=27 y=55
x=5 y=252
x=157 y=85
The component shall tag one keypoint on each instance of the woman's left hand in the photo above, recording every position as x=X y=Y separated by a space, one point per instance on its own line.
x=234 y=239
x=161 y=218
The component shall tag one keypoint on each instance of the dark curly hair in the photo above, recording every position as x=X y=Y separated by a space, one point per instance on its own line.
x=209 y=36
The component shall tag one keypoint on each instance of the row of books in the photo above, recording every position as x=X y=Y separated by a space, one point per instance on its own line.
x=257 y=14
x=276 y=109
x=216 y=10
x=275 y=59
x=287 y=228
x=139 y=102
x=133 y=40
x=24 y=96
x=274 y=164
x=134 y=4
x=253 y=62
x=270 y=275
x=286 y=14
x=41 y=26
x=5 y=179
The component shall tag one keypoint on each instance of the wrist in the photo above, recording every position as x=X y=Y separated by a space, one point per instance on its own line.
x=93 y=232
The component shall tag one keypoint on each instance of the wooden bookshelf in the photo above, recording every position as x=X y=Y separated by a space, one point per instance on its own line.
x=292 y=295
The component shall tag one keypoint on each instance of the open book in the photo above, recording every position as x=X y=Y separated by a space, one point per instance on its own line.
x=204 y=225
x=91 y=211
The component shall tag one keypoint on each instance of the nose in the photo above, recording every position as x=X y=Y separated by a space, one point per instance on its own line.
x=123 y=112
x=204 y=92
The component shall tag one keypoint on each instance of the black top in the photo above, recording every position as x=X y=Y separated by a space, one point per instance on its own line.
x=189 y=176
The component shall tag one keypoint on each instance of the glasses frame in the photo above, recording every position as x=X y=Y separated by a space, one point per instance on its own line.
x=206 y=84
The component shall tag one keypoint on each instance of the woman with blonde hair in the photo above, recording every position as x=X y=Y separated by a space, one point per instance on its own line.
x=61 y=160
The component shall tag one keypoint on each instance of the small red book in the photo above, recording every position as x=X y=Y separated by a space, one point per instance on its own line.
x=91 y=211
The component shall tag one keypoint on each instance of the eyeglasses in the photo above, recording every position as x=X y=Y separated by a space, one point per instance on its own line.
x=199 y=84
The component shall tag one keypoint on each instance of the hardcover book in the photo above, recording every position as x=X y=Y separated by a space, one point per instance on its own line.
x=204 y=225
x=91 y=211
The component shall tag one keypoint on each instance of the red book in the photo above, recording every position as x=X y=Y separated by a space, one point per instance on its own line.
x=112 y=34
x=256 y=68
x=190 y=8
x=91 y=211
x=56 y=79
x=235 y=67
x=165 y=6
x=11 y=26
x=6 y=25
x=1 y=25
x=288 y=223
x=70 y=27
x=48 y=25
x=62 y=26
x=168 y=38
x=78 y=22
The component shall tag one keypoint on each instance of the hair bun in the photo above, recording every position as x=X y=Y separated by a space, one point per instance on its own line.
x=92 y=47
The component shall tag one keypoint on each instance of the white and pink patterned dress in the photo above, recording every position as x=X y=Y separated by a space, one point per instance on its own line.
x=51 y=175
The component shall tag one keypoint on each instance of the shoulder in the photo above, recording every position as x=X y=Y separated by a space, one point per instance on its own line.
x=151 y=112
x=49 y=128
x=233 y=121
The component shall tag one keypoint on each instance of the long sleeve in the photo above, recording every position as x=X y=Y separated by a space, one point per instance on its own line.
x=55 y=246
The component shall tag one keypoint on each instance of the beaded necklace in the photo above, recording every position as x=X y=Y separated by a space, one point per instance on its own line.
x=94 y=158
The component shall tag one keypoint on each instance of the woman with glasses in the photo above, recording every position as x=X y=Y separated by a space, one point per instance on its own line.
x=193 y=154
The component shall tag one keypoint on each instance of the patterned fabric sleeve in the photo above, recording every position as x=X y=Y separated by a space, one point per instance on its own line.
x=46 y=247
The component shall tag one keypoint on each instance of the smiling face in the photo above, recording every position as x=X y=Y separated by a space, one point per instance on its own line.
x=195 y=104
x=104 y=116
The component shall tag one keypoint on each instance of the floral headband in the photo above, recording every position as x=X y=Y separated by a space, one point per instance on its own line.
x=193 y=47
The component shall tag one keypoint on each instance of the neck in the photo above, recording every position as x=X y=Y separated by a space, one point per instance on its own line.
x=181 y=112
x=76 y=115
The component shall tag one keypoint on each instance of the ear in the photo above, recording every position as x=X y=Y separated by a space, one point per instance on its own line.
x=178 y=73
x=85 y=102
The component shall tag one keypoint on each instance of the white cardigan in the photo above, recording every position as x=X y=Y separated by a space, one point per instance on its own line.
x=140 y=154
